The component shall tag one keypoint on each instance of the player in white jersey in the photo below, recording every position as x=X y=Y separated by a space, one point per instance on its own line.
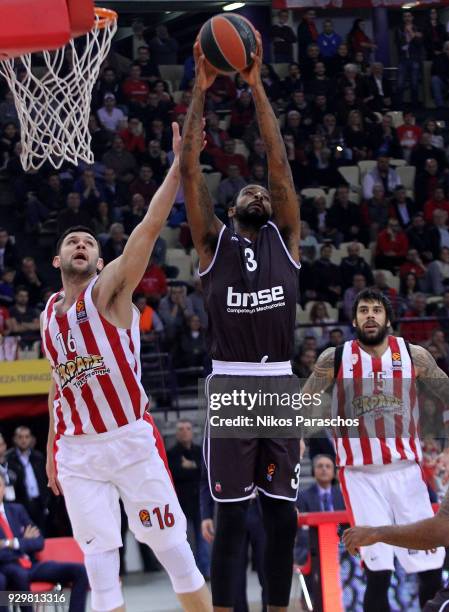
x=380 y=474
x=100 y=447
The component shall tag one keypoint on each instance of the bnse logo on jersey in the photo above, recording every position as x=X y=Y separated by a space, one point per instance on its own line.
x=255 y=301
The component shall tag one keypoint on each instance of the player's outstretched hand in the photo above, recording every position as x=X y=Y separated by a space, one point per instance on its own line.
x=252 y=74
x=205 y=73
x=176 y=140
x=207 y=530
x=53 y=482
x=355 y=537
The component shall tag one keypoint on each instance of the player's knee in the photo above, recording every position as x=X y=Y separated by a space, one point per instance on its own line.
x=103 y=572
x=231 y=517
x=279 y=517
x=179 y=563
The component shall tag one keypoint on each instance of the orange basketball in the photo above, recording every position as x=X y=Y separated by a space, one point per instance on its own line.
x=227 y=42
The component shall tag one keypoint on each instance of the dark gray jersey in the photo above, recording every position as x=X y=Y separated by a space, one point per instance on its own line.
x=250 y=292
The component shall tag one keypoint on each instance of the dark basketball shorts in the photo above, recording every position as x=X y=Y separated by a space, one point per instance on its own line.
x=238 y=466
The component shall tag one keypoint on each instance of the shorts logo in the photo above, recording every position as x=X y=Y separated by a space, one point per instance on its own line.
x=217 y=487
x=270 y=471
x=396 y=360
x=81 y=314
x=145 y=518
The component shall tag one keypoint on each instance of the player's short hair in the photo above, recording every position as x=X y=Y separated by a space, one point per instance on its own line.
x=76 y=228
x=373 y=295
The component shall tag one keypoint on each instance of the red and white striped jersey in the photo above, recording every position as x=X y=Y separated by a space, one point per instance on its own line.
x=381 y=393
x=96 y=367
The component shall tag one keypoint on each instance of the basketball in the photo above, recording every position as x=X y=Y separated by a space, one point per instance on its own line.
x=227 y=42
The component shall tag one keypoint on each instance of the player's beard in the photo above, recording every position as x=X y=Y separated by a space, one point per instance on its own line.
x=375 y=340
x=251 y=219
x=70 y=272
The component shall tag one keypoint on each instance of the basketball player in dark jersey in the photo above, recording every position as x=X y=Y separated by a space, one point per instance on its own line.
x=250 y=279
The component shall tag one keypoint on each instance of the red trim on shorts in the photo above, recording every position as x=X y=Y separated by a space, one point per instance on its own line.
x=159 y=442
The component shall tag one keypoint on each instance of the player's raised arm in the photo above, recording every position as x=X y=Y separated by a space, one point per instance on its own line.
x=284 y=200
x=204 y=225
x=124 y=273
x=433 y=379
x=323 y=373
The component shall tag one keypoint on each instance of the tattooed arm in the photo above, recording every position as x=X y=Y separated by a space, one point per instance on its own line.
x=204 y=225
x=423 y=535
x=433 y=379
x=323 y=373
x=284 y=200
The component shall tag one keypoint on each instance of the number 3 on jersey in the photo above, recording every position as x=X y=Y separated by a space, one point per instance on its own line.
x=251 y=263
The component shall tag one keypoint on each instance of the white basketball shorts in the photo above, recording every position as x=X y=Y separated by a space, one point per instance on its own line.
x=393 y=494
x=95 y=470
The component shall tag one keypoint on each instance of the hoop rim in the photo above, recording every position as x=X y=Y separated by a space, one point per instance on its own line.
x=104 y=17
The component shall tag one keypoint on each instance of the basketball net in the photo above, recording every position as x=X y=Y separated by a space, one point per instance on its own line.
x=53 y=99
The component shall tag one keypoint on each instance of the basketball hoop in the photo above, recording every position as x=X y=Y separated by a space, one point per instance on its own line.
x=53 y=99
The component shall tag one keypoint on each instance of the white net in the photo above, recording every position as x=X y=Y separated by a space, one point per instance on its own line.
x=52 y=93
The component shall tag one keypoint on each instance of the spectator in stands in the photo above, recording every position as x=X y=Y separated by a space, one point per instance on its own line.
x=134 y=216
x=133 y=136
x=270 y=81
x=154 y=282
x=197 y=301
x=258 y=154
x=383 y=174
x=345 y=216
x=320 y=84
x=426 y=182
x=156 y=159
x=438 y=201
x=375 y=211
x=419 y=331
x=358 y=282
x=309 y=244
x=322 y=496
x=413 y=265
x=407 y=289
x=150 y=325
x=144 y=184
x=102 y=221
x=294 y=128
x=431 y=127
x=24 y=319
x=7 y=276
x=336 y=64
x=282 y=37
x=109 y=116
x=175 y=309
x=384 y=139
x=359 y=41
x=392 y=246
x=258 y=175
x=327 y=277
x=381 y=284
x=115 y=244
x=149 y=71
x=51 y=193
x=410 y=48
x=293 y=81
x=443 y=314
x=242 y=114
x=354 y=132
x=438 y=234
x=107 y=84
x=31 y=481
x=135 y=89
x=163 y=47
x=318 y=218
x=402 y=207
x=420 y=238
x=230 y=186
x=424 y=151
x=440 y=76
x=20 y=539
x=185 y=460
x=331 y=133
x=409 y=134
x=221 y=94
x=350 y=78
x=310 y=61
x=8 y=111
x=434 y=34
x=114 y=193
x=228 y=157
x=29 y=278
x=73 y=215
x=336 y=337
x=304 y=363
x=159 y=132
x=215 y=136
x=319 y=315
x=377 y=95
x=130 y=45
x=89 y=190
x=100 y=137
x=354 y=264
x=328 y=41
x=191 y=351
x=121 y=160
x=307 y=33
x=8 y=254
x=437 y=278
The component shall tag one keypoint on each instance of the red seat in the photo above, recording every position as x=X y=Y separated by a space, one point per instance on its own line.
x=65 y=550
